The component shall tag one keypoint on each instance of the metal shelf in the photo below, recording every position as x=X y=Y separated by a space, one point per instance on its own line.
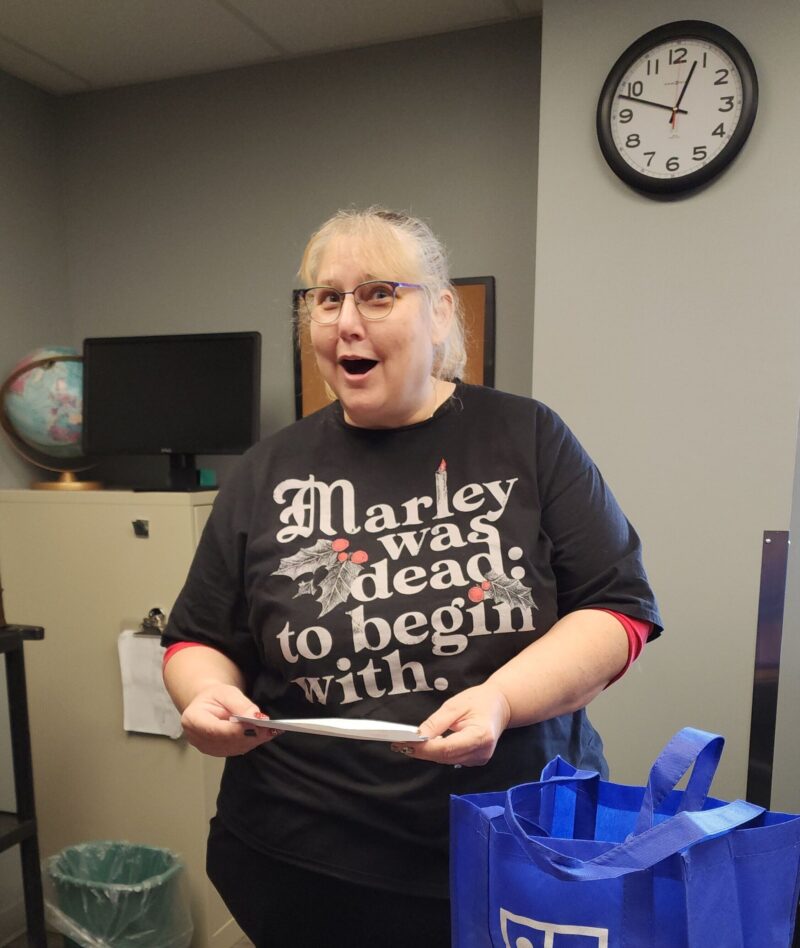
x=19 y=828
x=13 y=830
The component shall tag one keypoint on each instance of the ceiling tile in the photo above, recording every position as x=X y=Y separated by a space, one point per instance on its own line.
x=316 y=25
x=31 y=68
x=67 y=46
x=528 y=7
x=127 y=41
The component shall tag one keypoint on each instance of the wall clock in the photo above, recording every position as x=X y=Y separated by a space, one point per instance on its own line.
x=677 y=107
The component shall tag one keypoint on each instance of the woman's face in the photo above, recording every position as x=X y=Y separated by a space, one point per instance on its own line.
x=379 y=370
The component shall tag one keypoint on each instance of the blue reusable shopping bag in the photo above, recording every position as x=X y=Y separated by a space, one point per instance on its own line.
x=574 y=861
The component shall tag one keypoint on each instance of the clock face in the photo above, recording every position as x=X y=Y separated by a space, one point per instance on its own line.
x=677 y=107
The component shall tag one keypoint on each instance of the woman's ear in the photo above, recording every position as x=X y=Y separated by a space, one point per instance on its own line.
x=442 y=317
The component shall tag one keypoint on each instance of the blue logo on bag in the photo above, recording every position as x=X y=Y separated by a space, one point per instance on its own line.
x=521 y=932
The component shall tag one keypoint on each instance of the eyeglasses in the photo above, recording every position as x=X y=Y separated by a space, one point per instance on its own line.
x=374 y=300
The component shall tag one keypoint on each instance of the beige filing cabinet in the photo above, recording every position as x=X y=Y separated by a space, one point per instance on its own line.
x=73 y=563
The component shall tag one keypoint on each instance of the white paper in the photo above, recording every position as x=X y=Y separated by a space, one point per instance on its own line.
x=147 y=707
x=361 y=729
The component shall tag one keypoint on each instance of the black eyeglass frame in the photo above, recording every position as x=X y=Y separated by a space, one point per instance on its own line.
x=394 y=284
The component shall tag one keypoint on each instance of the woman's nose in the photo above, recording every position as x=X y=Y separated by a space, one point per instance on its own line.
x=351 y=322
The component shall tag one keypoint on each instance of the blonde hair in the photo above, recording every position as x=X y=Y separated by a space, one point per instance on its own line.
x=381 y=232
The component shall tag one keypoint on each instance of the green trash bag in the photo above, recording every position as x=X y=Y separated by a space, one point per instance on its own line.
x=118 y=895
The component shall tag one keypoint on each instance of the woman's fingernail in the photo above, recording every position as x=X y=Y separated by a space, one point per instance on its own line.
x=250 y=732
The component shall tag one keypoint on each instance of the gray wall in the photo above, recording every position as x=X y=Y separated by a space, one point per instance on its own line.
x=32 y=311
x=33 y=301
x=188 y=202
x=786 y=772
x=667 y=334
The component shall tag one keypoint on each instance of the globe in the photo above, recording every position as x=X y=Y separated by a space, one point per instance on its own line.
x=45 y=404
x=41 y=410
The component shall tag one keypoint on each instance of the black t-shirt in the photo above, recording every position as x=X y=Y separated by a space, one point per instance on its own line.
x=374 y=573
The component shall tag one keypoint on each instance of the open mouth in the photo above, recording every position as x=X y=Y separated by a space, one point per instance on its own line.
x=357 y=366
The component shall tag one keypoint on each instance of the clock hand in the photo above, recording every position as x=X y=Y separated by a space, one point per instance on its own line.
x=658 y=105
x=686 y=85
x=683 y=93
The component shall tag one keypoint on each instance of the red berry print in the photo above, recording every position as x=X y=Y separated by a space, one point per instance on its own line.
x=476 y=594
x=342 y=557
x=340 y=544
x=486 y=585
x=359 y=557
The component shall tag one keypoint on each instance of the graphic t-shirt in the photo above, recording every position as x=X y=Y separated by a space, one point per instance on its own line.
x=375 y=573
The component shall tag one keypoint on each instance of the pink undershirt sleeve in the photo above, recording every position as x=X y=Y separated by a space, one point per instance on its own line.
x=179 y=646
x=637 y=631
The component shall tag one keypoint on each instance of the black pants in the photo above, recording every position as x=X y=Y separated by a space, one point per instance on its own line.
x=280 y=906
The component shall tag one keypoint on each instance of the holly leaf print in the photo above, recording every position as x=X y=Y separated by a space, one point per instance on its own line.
x=309 y=560
x=510 y=591
x=335 y=587
x=305 y=588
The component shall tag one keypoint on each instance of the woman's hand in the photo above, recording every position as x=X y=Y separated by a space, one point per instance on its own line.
x=557 y=674
x=207 y=726
x=476 y=717
x=207 y=688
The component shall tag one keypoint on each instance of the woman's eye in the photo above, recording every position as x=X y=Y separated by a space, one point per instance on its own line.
x=328 y=298
x=377 y=293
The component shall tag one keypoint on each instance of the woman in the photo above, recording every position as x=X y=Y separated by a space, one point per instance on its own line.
x=420 y=551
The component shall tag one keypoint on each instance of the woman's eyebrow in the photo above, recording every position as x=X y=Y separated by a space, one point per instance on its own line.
x=337 y=284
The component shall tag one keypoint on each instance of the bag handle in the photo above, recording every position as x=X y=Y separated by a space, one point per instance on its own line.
x=688 y=747
x=637 y=852
x=578 y=822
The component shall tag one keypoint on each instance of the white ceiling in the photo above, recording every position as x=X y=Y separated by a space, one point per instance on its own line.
x=68 y=46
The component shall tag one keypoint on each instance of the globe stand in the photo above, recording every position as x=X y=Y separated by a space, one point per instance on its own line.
x=66 y=481
x=68 y=467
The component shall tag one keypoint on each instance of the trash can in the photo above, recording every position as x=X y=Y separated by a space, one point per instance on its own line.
x=118 y=895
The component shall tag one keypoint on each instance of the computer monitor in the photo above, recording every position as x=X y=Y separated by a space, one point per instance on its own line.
x=176 y=395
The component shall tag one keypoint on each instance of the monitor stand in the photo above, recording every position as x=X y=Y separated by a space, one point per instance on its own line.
x=183 y=473
x=183 y=477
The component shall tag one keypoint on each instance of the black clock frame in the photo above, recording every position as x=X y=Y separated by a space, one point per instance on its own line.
x=680 y=29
